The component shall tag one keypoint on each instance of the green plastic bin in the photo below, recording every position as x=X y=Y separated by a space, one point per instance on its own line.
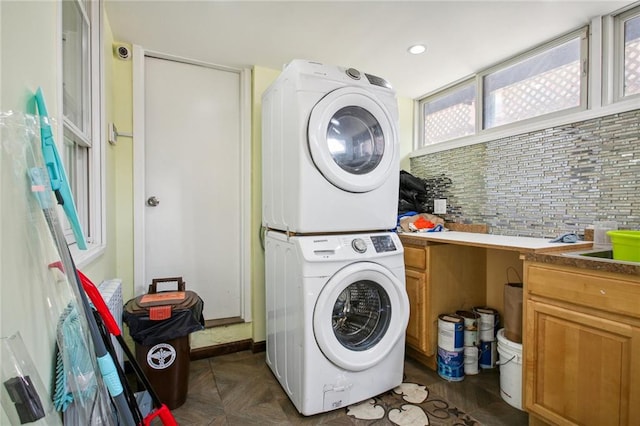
x=626 y=245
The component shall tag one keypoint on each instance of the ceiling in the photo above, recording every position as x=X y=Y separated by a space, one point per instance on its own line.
x=462 y=37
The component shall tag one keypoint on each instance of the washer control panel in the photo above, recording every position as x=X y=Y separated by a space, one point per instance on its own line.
x=353 y=246
x=383 y=243
x=359 y=245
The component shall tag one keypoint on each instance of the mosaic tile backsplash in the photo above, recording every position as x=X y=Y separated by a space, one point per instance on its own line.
x=543 y=183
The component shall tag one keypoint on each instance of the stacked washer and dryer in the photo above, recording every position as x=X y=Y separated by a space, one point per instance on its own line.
x=336 y=302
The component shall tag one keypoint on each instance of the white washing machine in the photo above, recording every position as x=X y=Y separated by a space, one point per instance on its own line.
x=329 y=151
x=337 y=312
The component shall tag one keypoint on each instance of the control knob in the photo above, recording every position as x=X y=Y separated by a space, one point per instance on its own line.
x=359 y=245
x=353 y=73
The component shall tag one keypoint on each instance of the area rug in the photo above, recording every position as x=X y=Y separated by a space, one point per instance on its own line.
x=411 y=404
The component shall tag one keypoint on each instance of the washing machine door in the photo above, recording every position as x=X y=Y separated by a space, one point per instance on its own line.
x=360 y=315
x=352 y=139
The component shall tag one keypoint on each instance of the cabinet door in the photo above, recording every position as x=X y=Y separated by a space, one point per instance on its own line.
x=580 y=368
x=417 y=294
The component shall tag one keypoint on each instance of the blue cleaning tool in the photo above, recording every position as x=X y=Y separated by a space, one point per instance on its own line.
x=57 y=175
x=566 y=238
x=104 y=360
x=73 y=361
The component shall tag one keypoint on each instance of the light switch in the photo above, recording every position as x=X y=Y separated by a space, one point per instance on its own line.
x=440 y=206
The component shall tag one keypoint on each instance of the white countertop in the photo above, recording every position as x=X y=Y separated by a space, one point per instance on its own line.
x=504 y=242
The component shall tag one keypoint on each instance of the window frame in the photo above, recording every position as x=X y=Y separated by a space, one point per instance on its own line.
x=447 y=90
x=618 y=78
x=90 y=198
x=582 y=33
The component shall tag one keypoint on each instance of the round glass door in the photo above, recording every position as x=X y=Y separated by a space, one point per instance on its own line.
x=355 y=140
x=360 y=315
x=352 y=139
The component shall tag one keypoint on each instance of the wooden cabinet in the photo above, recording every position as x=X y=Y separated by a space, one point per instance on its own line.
x=416 y=329
x=582 y=346
x=440 y=278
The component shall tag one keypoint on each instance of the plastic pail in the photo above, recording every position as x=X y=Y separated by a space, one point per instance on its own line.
x=510 y=370
x=626 y=245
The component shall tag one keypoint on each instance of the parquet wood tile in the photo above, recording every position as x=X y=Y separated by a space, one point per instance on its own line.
x=239 y=389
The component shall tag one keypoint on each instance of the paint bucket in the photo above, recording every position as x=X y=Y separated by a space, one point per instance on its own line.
x=470 y=327
x=470 y=360
x=510 y=370
x=451 y=365
x=450 y=332
x=487 y=324
x=488 y=355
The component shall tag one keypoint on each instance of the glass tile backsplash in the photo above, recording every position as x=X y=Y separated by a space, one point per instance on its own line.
x=542 y=183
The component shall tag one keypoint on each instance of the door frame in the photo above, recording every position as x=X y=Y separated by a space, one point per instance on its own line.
x=139 y=194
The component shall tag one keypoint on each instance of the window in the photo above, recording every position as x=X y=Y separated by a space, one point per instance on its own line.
x=450 y=115
x=549 y=79
x=628 y=50
x=81 y=116
x=546 y=82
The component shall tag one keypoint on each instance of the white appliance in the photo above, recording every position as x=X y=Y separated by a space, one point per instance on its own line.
x=337 y=311
x=330 y=151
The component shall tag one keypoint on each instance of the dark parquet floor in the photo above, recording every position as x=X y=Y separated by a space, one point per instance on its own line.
x=239 y=389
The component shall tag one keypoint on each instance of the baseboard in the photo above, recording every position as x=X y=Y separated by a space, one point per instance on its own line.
x=228 y=348
x=429 y=361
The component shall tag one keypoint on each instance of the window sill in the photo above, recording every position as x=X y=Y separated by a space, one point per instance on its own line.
x=83 y=258
x=531 y=126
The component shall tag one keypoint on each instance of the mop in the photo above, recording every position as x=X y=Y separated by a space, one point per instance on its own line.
x=158 y=410
x=76 y=375
x=60 y=186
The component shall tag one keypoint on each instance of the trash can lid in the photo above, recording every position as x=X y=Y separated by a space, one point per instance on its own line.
x=177 y=300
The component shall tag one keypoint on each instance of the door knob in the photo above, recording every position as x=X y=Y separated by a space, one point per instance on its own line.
x=153 y=201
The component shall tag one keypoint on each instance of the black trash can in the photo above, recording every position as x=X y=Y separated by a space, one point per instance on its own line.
x=160 y=324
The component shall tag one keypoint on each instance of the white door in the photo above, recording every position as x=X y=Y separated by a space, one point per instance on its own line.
x=193 y=195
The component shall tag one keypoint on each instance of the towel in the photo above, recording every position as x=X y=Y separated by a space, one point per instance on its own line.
x=565 y=238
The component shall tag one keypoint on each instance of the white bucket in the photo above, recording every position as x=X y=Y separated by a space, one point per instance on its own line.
x=510 y=370
x=471 y=360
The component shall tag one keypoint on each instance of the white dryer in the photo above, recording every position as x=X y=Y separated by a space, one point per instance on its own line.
x=329 y=151
x=337 y=312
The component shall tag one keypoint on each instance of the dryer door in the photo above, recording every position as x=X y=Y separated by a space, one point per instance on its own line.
x=352 y=139
x=360 y=315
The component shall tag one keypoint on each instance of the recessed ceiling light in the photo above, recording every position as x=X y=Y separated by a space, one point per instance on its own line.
x=417 y=49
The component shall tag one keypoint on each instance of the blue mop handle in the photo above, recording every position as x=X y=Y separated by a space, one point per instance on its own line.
x=110 y=374
x=104 y=360
x=57 y=174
